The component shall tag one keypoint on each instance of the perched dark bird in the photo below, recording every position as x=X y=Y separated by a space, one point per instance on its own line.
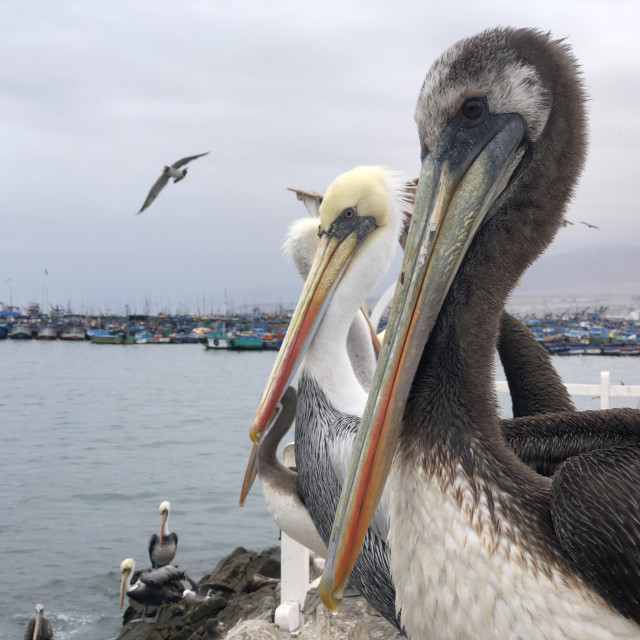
x=172 y=171
x=148 y=588
x=481 y=544
x=162 y=548
x=591 y=226
x=38 y=627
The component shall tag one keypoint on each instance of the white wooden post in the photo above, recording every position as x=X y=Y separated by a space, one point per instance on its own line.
x=605 y=389
x=294 y=571
x=294 y=582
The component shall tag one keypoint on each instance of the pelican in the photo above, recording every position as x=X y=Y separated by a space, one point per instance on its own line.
x=480 y=543
x=359 y=226
x=38 y=627
x=520 y=352
x=280 y=484
x=149 y=587
x=162 y=549
x=173 y=171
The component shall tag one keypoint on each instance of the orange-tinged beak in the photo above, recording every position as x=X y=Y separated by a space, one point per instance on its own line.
x=454 y=195
x=123 y=580
x=331 y=259
x=249 y=474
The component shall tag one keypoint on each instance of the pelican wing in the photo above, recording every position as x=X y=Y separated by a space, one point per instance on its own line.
x=153 y=541
x=547 y=440
x=340 y=454
x=45 y=632
x=163 y=575
x=595 y=507
x=180 y=163
x=157 y=187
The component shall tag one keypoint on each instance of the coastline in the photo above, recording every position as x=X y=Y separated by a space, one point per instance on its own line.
x=247 y=612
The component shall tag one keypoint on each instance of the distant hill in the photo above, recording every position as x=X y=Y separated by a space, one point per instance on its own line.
x=600 y=269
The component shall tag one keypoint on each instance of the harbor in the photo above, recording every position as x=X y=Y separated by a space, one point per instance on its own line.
x=111 y=432
x=578 y=333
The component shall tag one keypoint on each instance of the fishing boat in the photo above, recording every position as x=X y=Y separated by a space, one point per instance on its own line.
x=217 y=340
x=104 y=336
x=234 y=341
x=245 y=342
x=73 y=333
x=20 y=332
x=272 y=341
x=46 y=333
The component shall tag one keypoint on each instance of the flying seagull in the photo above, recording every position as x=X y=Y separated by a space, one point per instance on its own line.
x=174 y=172
x=591 y=226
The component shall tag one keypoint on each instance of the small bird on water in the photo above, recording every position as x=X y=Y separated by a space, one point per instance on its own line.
x=38 y=627
x=172 y=171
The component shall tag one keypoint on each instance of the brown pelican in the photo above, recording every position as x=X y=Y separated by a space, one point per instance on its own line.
x=360 y=222
x=480 y=543
x=280 y=484
x=38 y=627
x=173 y=171
x=148 y=589
x=162 y=549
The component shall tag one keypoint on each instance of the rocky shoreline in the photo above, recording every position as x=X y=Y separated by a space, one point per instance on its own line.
x=237 y=601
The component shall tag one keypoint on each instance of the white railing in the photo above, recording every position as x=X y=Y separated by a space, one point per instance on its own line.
x=294 y=560
x=604 y=390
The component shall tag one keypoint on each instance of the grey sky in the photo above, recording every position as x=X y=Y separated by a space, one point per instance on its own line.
x=96 y=97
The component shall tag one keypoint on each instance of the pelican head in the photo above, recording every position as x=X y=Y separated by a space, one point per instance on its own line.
x=501 y=123
x=127 y=567
x=362 y=207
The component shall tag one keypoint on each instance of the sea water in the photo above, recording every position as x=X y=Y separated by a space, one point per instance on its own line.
x=94 y=437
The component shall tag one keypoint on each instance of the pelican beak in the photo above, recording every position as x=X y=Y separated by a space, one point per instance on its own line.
x=459 y=183
x=123 y=581
x=249 y=474
x=163 y=521
x=36 y=628
x=330 y=262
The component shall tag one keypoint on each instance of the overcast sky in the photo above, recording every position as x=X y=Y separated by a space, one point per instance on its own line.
x=96 y=97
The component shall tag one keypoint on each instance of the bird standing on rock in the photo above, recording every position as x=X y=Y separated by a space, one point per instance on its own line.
x=148 y=589
x=162 y=549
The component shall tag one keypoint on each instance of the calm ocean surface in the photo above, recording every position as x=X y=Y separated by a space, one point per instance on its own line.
x=94 y=437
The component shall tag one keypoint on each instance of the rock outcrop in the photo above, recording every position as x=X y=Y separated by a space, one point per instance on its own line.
x=243 y=592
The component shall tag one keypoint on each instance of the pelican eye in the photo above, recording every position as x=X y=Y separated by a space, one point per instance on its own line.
x=472 y=110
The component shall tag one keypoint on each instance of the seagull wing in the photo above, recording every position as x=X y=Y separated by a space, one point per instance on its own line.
x=157 y=187
x=595 y=508
x=180 y=163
